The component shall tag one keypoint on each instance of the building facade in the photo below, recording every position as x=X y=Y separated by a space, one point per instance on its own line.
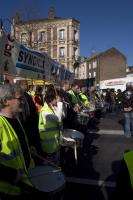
x=129 y=71
x=109 y=64
x=56 y=36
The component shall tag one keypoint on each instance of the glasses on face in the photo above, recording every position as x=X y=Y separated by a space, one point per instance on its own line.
x=19 y=98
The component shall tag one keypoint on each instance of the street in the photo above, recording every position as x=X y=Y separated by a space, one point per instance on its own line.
x=94 y=177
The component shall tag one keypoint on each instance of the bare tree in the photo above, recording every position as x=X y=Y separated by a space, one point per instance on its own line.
x=27 y=14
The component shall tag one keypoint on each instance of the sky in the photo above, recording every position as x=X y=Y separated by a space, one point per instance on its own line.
x=103 y=23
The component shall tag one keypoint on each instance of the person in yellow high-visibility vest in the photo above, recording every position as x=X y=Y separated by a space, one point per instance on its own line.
x=124 y=186
x=83 y=97
x=50 y=124
x=15 y=156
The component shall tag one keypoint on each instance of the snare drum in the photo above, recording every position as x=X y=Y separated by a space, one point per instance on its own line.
x=49 y=180
x=92 y=107
x=82 y=118
x=74 y=136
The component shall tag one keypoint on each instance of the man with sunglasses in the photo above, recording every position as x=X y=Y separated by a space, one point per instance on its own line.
x=15 y=156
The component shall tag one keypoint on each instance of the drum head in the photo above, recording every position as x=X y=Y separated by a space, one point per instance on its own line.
x=47 y=178
x=74 y=134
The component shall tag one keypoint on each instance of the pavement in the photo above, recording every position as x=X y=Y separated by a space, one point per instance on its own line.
x=112 y=123
x=95 y=175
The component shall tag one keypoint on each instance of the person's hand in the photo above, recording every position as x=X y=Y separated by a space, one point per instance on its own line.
x=128 y=109
x=33 y=150
x=76 y=108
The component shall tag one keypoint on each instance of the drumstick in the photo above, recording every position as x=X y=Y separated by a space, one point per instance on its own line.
x=44 y=159
x=45 y=173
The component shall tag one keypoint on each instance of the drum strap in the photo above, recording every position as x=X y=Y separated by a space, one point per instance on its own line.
x=45 y=160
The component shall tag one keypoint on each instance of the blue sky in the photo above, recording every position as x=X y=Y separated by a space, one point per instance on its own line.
x=103 y=23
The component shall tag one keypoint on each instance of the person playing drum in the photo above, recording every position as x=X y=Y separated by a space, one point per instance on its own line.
x=50 y=122
x=15 y=155
x=83 y=97
x=75 y=102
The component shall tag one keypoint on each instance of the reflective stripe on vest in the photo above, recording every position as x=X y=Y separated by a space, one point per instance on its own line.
x=5 y=157
x=128 y=157
x=49 y=132
x=11 y=154
x=48 y=129
x=49 y=140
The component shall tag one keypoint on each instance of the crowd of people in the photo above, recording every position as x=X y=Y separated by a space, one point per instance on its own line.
x=31 y=124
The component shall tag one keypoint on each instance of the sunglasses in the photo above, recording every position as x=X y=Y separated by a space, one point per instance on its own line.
x=19 y=98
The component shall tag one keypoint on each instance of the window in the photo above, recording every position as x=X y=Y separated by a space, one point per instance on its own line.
x=61 y=51
x=94 y=64
x=75 y=53
x=89 y=75
x=24 y=38
x=94 y=74
x=62 y=34
x=42 y=36
x=75 y=35
x=89 y=65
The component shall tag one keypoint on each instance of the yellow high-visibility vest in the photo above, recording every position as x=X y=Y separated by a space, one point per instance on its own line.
x=128 y=157
x=11 y=155
x=75 y=99
x=49 y=131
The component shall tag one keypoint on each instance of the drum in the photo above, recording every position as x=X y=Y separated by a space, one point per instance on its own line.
x=92 y=107
x=92 y=114
x=98 y=105
x=82 y=118
x=70 y=136
x=49 y=180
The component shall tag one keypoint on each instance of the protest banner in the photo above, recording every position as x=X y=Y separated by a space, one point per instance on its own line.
x=20 y=61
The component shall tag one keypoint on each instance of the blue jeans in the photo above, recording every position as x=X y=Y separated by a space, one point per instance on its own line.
x=128 y=123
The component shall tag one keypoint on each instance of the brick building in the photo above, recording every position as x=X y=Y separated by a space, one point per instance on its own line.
x=106 y=65
x=57 y=36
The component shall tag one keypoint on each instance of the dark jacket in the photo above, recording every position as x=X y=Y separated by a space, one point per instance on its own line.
x=29 y=120
x=127 y=98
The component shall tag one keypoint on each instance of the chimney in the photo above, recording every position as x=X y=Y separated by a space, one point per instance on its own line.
x=51 y=13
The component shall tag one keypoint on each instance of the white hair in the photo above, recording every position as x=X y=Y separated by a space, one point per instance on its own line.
x=8 y=91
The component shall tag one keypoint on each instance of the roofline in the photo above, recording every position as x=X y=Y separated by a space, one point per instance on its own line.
x=104 y=52
x=45 y=20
